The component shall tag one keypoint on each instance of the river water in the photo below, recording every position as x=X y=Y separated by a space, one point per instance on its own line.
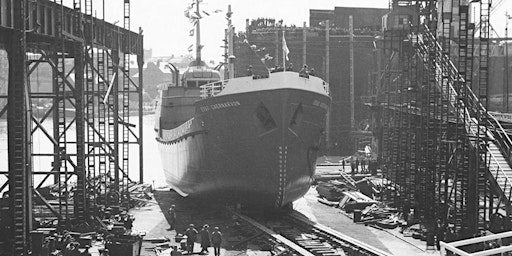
x=153 y=172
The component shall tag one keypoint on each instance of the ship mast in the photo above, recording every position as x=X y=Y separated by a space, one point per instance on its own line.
x=198 y=35
x=229 y=35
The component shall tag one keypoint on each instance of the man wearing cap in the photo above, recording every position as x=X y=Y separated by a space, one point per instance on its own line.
x=191 y=233
x=172 y=217
x=216 y=241
x=205 y=239
x=290 y=67
x=249 y=71
x=304 y=71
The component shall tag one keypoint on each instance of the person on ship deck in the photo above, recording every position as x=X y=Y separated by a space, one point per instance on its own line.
x=290 y=67
x=249 y=71
x=304 y=71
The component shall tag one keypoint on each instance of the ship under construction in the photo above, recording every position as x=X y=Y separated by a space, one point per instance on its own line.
x=424 y=84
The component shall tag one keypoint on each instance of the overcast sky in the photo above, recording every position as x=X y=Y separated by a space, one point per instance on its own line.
x=166 y=29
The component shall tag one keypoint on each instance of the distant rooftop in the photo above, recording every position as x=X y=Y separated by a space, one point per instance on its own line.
x=363 y=18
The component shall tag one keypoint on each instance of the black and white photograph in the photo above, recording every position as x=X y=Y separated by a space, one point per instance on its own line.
x=258 y=128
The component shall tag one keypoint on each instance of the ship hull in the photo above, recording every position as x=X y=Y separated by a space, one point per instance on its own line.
x=256 y=148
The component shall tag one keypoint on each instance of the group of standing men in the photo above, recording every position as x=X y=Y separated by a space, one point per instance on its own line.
x=304 y=72
x=355 y=163
x=207 y=239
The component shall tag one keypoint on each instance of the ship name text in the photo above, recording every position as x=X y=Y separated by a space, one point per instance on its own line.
x=228 y=104
x=320 y=104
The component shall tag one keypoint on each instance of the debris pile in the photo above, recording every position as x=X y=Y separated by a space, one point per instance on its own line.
x=111 y=235
x=354 y=200
x=141 y=195
x=332 y=190
x=108 y=226
x=371 y=186
x=360 y=198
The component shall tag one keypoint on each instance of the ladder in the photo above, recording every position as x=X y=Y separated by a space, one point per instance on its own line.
x=348 y=178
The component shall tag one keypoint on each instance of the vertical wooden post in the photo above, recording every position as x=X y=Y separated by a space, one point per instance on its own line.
x=327 y=66
x=304 y=43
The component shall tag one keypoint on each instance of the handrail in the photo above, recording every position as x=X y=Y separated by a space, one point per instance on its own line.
x=455 y=72
x=212 y=89
x=500 y=170
x=473 y=99
x=472 y=106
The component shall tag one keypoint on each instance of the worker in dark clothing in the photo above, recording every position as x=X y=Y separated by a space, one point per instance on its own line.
x=128 y=223
x=191 y=233
x=216 y=241
x=175 y=251
x=72 y=249
x=343 y=165
x=373 y=167
x=312 y=72
x=357 y=164
x=249 y=71
x=172 y=217
x=86 y=252
x=304 y=71
x=105 y=252
x=205 y=239
x=440 y=233
x=290 y=67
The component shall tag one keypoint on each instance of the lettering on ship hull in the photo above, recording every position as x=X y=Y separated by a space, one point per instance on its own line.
x=320 y=104
x=228 y=104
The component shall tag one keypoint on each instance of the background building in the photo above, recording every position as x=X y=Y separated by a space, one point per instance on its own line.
x=328 y=52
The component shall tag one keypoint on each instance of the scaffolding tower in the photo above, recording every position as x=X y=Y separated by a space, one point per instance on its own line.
x=90 y=117
x=443 y=156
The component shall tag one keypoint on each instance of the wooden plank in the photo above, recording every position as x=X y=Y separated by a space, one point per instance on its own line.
x=276 y=236
x=341 y=236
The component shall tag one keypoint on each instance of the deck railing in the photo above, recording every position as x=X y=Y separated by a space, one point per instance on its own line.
x=212 y=89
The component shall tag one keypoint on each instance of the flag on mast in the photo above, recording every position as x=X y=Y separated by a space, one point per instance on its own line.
x=285 y=50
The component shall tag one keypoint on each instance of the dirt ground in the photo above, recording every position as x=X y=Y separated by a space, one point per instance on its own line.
x=239 y=239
